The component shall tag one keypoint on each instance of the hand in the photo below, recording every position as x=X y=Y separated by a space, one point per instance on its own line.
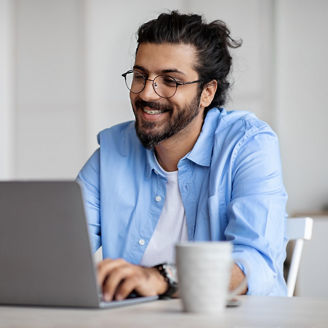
x=119 y=278
x=237 y=276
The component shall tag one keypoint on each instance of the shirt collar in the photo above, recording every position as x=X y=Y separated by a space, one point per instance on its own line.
x=201 y=153
x=152 y=164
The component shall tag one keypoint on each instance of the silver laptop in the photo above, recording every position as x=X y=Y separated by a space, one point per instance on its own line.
x=45 y=254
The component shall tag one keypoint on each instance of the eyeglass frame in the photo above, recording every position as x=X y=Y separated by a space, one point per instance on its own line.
x=177 y=83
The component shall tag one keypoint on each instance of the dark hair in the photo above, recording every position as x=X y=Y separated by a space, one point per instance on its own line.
x=210 y=40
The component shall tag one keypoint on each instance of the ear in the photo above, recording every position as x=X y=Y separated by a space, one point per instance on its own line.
x=208 y=93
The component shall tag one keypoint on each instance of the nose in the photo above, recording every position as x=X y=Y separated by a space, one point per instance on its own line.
x=148 y=93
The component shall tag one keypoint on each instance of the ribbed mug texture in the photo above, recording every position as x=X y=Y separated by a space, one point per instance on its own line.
x=204 y=270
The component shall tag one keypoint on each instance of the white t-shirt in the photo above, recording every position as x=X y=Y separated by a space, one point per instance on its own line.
x=171 y=226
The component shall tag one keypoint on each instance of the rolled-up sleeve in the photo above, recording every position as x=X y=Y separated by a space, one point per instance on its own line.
x=257 y=213
x=88 y=178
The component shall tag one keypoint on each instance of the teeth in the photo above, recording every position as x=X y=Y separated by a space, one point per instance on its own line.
x=152 y=112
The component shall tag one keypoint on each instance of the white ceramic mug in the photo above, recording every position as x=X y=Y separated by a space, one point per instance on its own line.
x=204 y=272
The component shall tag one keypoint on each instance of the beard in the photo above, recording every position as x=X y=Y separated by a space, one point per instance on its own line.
x=172 y=126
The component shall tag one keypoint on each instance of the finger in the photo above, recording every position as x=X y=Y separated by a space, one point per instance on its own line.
x=105 y=267
x=116 y=277
x=126 y=287
x=140 y=281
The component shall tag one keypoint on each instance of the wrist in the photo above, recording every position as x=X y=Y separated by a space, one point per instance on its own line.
x=159 y=281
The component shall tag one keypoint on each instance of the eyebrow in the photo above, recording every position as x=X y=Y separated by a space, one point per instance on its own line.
x=172 y=70
x=164 y=71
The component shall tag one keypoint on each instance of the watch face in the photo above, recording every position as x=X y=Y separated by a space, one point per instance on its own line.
x=171 y=272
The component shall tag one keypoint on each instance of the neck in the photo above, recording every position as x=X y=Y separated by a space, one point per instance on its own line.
x=170 y=151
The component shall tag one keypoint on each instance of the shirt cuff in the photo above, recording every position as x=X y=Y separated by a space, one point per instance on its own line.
x=260 y=277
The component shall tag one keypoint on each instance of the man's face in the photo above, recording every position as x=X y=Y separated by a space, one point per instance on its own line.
x=159 y=118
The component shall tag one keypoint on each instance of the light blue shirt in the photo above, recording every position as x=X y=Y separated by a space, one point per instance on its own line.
x=231 y=188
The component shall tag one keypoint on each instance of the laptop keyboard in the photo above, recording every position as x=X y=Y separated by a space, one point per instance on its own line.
x=132 y=295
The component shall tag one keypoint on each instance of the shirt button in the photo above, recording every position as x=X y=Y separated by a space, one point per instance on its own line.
x=141 y=242
x=158 y=198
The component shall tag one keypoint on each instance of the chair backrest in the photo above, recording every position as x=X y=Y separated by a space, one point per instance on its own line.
x=297 y=229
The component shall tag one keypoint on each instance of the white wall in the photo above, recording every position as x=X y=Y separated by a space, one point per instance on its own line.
x=6 y=89
x=302 y=90
x=50 y=105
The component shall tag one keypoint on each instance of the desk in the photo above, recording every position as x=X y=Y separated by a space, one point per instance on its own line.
x=255 y=311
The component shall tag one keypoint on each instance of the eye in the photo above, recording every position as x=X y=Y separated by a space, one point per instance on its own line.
x=168 y=81
x=139 y=76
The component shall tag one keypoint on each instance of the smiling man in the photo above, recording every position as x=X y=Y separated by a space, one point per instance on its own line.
x=185 y=169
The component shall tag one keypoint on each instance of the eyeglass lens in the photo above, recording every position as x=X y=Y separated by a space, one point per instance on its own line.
x=164 y=86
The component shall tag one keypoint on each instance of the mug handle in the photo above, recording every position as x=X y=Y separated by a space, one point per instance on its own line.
x=241 y=286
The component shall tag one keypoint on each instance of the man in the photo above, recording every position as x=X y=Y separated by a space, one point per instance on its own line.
x=186 y=169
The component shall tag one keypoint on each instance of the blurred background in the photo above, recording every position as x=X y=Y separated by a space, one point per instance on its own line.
x=60 y=83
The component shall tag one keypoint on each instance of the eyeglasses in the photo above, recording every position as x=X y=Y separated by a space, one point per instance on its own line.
x=164 y=85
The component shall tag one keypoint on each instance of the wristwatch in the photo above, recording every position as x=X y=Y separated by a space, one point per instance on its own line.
x=168 y=271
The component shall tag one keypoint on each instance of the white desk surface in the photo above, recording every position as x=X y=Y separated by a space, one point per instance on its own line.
x=255 y=311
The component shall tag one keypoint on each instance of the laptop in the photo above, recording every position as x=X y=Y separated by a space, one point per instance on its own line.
x=45 y=253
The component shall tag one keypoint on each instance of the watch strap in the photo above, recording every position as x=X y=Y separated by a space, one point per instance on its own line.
x=172 y=285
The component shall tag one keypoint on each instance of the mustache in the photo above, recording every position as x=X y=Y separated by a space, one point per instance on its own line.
x=153 y=105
